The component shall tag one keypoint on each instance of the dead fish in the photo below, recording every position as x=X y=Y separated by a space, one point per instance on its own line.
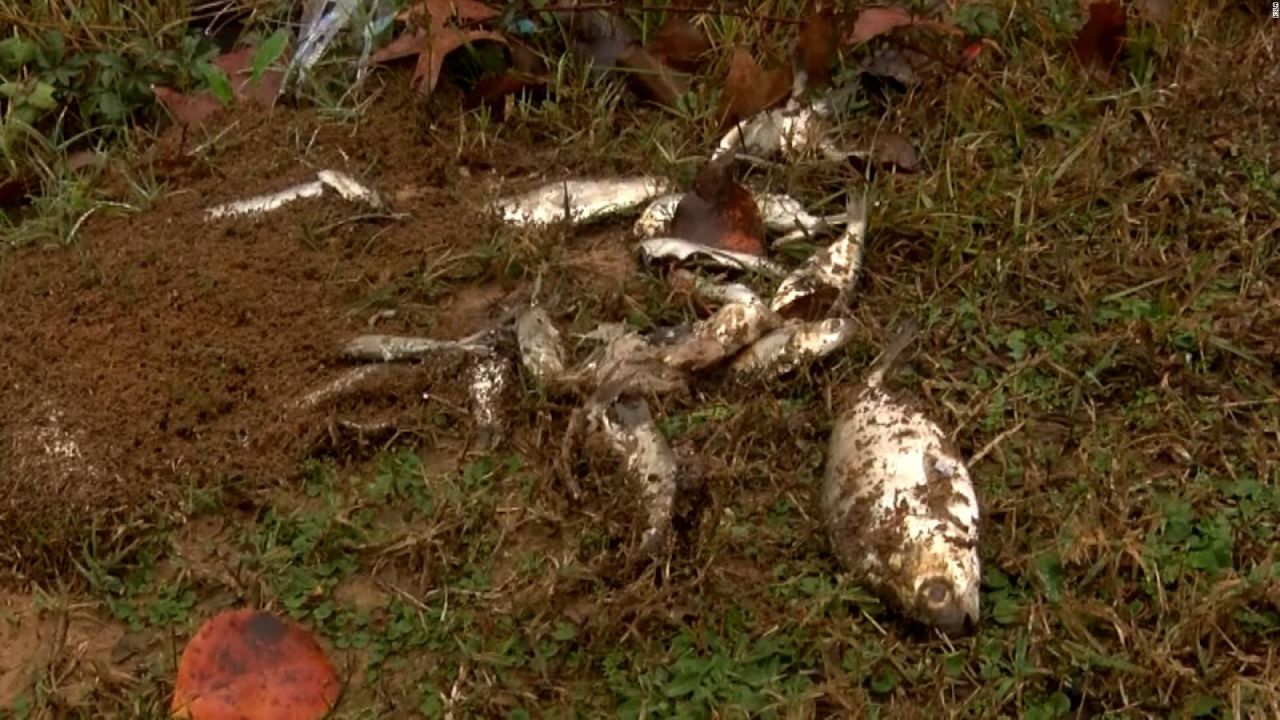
x=628 y=363
x=650 y=462
x=899 y=505
x=723 y=334
x=343 y=184
x=827 y=277
x=715 y=292
x=392 y=348
x=664 y=248
x=541 y=349
x=579 y=200
x=790 y=130
x=792 y=345
x=488 y=379
x=781 y=213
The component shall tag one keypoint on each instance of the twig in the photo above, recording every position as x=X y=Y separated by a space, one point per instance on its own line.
x=994 y=442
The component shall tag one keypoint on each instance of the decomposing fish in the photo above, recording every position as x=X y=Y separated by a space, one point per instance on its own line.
x=338 y=181
x=712 y=291
x=827 y=277
x=650 y=462
x=579 y=200
x=790 y=130
x=541 y=349
x=899 y=506
x=720 y=336
x=393 y=348
x=781 y=213
x=684 y=251
x=794 y=344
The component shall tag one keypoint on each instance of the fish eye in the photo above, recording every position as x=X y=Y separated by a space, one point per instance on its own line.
x=936 y=592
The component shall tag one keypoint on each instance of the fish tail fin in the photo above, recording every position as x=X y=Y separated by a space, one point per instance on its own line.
x=901 y=339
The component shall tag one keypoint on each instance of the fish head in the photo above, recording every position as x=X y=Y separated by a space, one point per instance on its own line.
x=943 y=577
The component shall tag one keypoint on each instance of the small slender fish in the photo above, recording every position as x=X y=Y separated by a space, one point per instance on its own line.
x=343 y=184
x=899 y=506
x=828 y=276
x=393 y=348
x=793 y=345
x=579 y=200
x=541 y=348
x=650 y=461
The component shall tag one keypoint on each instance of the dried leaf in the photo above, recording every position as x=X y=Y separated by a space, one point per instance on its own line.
x=653 y=79
x=194 y=110
x=439 y=11
x=719 y=212
x=188 y=110
x=431 y=51
x=249 y=663
x=876 y=21
x=893 y=149
x=749 y=90
x=815 y=46
x=680 y=45
x=1102 y=38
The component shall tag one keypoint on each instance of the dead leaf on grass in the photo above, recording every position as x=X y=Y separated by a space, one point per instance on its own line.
x=749 y=89
x=719 y=212
x=439 y=11
x=873 y=22
x=892 y=149
x=1102 y=38
x=1157 y=12
x=492 y=92
x=431 y=49
x=193 y=110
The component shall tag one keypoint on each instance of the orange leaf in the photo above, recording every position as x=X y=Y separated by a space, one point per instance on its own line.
x=188 y=110
x=439 y=11
x=873 y=22
x=431 y=59
x=748 y=89
x=1102 y=37
x=719 y=212
x=253 y=664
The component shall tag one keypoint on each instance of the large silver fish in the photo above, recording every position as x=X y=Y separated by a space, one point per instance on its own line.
x=899 y=506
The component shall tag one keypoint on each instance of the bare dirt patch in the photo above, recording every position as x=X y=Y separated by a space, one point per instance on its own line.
x=161 y=350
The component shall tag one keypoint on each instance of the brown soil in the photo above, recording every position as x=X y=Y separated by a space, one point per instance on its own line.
x=161 y=350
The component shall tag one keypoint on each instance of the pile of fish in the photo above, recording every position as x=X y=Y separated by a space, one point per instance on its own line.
x=897 y=500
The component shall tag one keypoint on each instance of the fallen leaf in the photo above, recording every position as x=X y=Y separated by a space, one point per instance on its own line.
x=679 y=44
x=253 y=664
x=893 y=149
x=815 y=46
x=1102 y=38
x=188 y=110
x=719 y=212
x=439 y=11
x=873 y=22
x=971 y=53
x=194 y=110
x=748 y=89
x=654 y=79
x=431 y=49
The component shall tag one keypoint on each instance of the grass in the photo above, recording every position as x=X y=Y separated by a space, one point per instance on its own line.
x=1094 y=268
